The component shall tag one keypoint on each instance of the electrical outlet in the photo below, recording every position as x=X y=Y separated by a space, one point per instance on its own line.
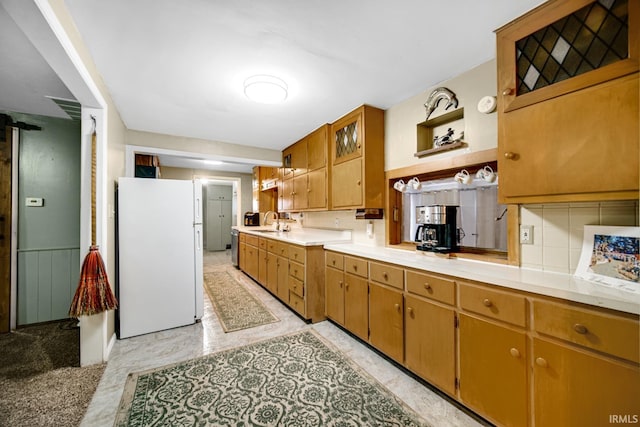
x=336 y=223
x=526 y=234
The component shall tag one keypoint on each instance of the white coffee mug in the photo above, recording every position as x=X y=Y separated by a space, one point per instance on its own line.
x=400 y=185
x=486 y=174
x=414 y=183
x=463 y=177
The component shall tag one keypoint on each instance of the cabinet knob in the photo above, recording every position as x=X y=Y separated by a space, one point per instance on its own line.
x=346 y=286
x=355 y=267
x=579 y=328
x=358 y=182
x=487 y=302
x=541 y=362
x=508 y=91
x=514 y=352
x=333 y=261
x=308 y=190
x=385 y=275
x=427 y=286
x=397 y=307
x=410 y=310
x=509 y=155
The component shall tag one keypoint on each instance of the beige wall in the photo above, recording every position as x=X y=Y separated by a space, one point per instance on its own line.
x=202 y=146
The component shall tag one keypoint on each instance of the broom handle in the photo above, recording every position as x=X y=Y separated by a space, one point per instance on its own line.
x=93 y=188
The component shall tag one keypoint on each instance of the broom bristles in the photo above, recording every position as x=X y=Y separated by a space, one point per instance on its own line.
x=94 y=294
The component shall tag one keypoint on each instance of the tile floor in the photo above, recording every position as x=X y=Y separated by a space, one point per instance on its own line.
x=162 y=348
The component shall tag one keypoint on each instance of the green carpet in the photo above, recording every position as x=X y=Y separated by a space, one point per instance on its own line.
x=293 y=380
x=236 y=308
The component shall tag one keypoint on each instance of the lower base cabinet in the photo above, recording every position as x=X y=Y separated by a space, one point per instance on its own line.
x=493 y=371
x=430 y=342
x=577 y=388
x=356 y=307
x=386 y=326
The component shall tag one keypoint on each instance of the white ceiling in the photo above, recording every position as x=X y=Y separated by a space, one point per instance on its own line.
x=177 y=67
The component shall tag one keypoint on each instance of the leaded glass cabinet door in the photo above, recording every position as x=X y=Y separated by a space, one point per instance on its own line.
x=347 y=137
x=566 y=45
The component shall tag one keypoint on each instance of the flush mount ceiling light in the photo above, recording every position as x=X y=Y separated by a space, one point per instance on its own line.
x=265 y=89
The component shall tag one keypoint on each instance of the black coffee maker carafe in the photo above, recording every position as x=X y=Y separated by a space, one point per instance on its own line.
x=437 y=230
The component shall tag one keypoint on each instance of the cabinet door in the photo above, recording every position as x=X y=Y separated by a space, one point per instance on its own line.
x=252 y=261
x=317 y=189
x=287 y=194
x=300 y=192
x=346 y=137
x=213 y=224
x=347 y=184
x=356 y=306
x=386 y=321
x=272 y=273
x=283 y=279
x=242 y=256
x=225 y=223
x=430 y=342
x=317 y=149
x=299 y=157
x=576 y=388
x=262 y=266
x=493 y=371
x=334 y=295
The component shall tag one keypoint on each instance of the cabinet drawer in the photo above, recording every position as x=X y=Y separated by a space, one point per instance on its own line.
x=335 y=260
x=357 y=266
x=243 y=238
x=434 y=287
x=297 y=303
x=262 y=243
x=272 y=246
x=387 y=274
x=604 y=332
x=296 y=286
x=282 y=249
x=296 y=253
x=296 y=270
x=252 y=240
x=504 y=306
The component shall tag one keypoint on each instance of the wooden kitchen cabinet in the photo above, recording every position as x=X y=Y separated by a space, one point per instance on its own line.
x=263 y=260
x=386 y=321
x=430 y=342
x=252 y=256
x=568 y=114
x=357 y=159
x=493 y=371
x=305 y=183
x=578 y=388
x=346 y=297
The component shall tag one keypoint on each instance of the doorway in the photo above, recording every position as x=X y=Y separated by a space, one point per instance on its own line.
x=219 y=196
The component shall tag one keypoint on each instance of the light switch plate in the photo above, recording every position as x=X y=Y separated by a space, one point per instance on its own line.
x=526 y=234
x=34 y=201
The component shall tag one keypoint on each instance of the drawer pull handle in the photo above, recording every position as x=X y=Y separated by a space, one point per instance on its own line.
x=581 y=329
x=541 y=362
x=487 y=302
x=385 y=275
x=514 y=352
x=427 y=286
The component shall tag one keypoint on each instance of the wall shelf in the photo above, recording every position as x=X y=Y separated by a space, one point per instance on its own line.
x=424 y=134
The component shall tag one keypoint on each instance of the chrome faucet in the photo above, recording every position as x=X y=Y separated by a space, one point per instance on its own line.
x=275 y=216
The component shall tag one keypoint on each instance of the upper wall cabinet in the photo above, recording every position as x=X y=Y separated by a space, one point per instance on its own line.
x=568 y=102
x=304 y=183
x=357 y=159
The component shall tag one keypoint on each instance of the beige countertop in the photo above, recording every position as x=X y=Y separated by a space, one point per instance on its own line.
x=556 y=285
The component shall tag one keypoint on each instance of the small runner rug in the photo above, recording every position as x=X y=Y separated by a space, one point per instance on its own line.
x=292 y=380
x=235 y=306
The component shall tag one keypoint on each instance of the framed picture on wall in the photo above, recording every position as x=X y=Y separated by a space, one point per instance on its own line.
x=611 y=256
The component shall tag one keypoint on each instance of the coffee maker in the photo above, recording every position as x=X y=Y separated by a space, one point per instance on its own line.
x=437 y=230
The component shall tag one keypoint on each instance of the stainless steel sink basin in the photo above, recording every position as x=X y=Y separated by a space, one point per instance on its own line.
x=267 y=231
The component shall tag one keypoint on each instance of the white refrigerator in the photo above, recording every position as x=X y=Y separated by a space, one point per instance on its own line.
x=159 y=255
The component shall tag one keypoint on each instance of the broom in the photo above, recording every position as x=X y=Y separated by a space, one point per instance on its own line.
x=94 y=294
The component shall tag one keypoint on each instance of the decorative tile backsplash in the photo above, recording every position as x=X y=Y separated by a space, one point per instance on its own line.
x=558 y=230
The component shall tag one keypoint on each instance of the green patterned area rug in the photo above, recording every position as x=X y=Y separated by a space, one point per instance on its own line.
x=292 y=380
x=235 y=306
